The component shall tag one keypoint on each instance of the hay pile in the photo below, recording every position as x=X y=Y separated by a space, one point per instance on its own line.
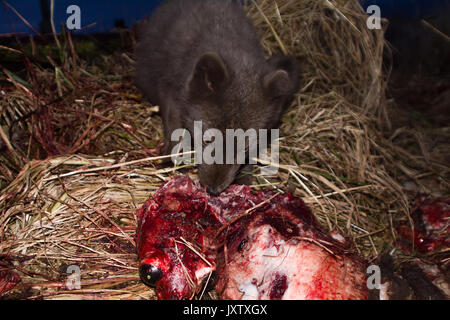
x=78 y=209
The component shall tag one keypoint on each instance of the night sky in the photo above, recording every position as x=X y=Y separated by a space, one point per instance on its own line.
x=105 y=12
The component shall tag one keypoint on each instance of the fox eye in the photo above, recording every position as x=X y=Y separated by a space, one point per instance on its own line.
x=149 y=274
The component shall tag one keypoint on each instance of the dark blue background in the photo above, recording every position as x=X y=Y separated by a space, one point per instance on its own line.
x=414 y=9
x=105 y=12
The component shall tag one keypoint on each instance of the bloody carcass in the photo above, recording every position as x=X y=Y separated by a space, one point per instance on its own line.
x=259 y=244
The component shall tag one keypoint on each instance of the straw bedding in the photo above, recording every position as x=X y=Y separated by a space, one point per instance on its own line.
x=98 y=146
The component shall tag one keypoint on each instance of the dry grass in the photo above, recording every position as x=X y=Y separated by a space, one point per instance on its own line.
x=99 y=145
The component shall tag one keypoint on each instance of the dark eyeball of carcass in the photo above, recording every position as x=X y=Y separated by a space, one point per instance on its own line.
x=262 y=246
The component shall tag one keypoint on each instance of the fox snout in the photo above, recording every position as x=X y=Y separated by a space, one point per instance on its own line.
x=217 y=177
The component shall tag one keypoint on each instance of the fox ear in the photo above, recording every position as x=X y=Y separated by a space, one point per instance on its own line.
x=209 y=76
x=284 y=81
x=277 y=84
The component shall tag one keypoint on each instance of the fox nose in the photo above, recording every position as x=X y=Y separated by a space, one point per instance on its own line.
x=212 y=191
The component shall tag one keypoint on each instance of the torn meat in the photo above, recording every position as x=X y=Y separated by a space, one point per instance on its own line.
x=280 y=252
x=171 y=240
x=262 y=245
x=431 y=227
x=8 y=280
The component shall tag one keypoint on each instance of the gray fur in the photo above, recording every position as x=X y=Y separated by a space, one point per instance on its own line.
x=202 y=60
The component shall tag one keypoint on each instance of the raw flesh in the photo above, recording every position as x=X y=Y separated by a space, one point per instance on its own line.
x=260 y=244
x=431 y=226
x=8 y=280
